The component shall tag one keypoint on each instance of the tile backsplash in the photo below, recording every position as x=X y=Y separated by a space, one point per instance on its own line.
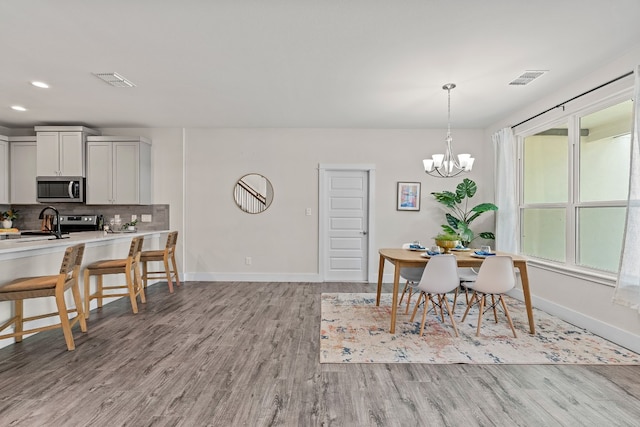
x=28 y=219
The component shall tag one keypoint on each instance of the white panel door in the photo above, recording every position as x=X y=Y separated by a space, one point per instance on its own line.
x=347 y=213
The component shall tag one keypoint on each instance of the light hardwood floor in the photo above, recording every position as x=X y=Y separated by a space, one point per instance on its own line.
x=246 y=354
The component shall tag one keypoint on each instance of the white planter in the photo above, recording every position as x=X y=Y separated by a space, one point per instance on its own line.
x=6 y=223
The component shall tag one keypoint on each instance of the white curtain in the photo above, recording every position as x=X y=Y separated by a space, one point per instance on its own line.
x=628 y=284
x=504 y=144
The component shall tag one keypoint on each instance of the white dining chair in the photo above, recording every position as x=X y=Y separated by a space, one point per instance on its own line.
x=468 y=276
x=440 y=277
x=411 y=276
x=495 y=277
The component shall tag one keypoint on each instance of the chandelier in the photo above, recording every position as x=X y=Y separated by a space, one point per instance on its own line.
x=447 y=165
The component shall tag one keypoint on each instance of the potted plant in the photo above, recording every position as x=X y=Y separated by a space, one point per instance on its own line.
x=130 y=226
x=447 y=241
x=460 y=215
x=8 y=217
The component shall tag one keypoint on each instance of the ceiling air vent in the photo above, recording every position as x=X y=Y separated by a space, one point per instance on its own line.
x=527 y=77
x=114 y=79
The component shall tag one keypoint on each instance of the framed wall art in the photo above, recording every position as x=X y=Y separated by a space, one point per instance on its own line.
x=408 y=196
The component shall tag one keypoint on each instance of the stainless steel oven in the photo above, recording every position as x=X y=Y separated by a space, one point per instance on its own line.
x=57 y=189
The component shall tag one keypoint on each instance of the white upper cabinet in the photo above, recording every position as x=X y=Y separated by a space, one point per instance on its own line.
x=22 y=150
x=118 y=170
x=4 y=170
x=61 y=150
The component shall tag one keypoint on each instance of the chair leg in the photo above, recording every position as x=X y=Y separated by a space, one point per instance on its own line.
x=144 y=273
x=450 y=313
x=64 y=319
x=168 y=273
x=19 y=316
x=404 y=290
x=100 y=290
x=87 y=292
x=439 y=304
x=132 y=292
x=455 y=298
x=506 y=311
x=424 y=313
x=482 y=301
x=415 y=309
x=175 y=269
x=409 y=295
x=495 y=311
x=75 y=290
x=138 y=283
x=469 y=304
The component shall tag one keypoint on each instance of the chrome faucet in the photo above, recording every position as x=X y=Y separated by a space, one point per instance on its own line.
x=58 y=231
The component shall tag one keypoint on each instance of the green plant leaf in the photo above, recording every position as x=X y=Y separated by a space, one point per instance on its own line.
x=447 y=198
x=448 y=230
x=484 y=207
x=467 y=188
x=452 y=221
x=487 y=235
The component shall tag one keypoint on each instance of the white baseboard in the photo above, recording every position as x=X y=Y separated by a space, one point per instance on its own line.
x=604 y=330
x=253 y=277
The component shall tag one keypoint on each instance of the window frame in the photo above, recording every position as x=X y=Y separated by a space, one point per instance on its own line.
x=571 y=118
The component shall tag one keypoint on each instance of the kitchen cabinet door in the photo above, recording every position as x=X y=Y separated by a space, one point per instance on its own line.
x=47 y=158
x=23 y=171
x=60 y=154
x=118 y=170
x=99 y=174
x=126 y=188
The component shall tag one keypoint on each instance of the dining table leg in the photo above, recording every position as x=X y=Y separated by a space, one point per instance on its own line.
x=394 y=297
x=524 y=277
x=380 y=274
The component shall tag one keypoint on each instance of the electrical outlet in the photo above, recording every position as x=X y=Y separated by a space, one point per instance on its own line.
x=134 y=217
x=145 y=218
x=247 y=260
x=307 y=212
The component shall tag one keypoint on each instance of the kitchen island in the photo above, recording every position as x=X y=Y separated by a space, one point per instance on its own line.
x=34 y=257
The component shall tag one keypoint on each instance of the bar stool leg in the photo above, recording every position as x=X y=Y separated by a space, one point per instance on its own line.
x=165 y=260
x=99 y=290
x=175 y=268
x=64 y=318
x=87 y=293
x=132 y=293
x=75 y=290
x=19 y=309
x=144 y=273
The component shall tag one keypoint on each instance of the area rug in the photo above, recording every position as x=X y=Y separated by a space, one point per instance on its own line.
x=354 y=330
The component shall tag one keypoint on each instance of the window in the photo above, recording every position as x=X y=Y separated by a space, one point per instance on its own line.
x=575 y=180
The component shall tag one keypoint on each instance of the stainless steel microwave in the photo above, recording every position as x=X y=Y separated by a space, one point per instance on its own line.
x=60 y=189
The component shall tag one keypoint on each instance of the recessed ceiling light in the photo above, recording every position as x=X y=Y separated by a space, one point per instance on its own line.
x=527 y=77
x=42 y=85
x=18 y=108
x=114 y=79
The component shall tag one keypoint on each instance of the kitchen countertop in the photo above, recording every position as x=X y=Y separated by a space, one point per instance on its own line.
x=17 y=248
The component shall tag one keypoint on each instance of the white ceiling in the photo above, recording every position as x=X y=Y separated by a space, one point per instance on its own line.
x=298 y=63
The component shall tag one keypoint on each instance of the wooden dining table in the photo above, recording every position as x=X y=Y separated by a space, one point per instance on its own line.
x=406 y=258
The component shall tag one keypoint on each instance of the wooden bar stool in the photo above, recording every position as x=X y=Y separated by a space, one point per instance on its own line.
x=48 y=286
x=128 y=266
x=169 y=253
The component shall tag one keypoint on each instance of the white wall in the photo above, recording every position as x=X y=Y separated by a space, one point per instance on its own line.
x=586 y=303
x=282 y=241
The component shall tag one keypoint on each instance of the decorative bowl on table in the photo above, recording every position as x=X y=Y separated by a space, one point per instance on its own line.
x=447 y=245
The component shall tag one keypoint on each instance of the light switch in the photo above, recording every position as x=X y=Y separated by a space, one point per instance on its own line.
x=307 y=212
